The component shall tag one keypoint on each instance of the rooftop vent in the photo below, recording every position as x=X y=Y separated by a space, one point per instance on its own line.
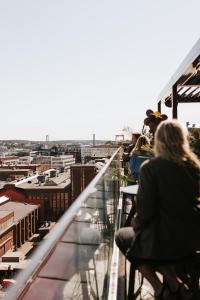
x=41 y=178
x=52 y=173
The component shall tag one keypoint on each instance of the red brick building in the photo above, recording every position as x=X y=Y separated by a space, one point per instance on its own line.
x=12 y=174
x=53 y=195
x=18 y=222
x=81 y=175
x=9 y=160
x=25 y=220
x=6 y=230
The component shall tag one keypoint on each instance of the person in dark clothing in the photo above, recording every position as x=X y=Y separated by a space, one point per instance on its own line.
x=166 y=228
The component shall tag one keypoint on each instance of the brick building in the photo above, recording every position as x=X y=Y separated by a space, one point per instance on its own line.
x=43 y=161
x=7 y=160
x=6 y=230
x=12 y=174
x=81 y=175
x=18 y=222
x=25 y=220
x=52 y=194
x=55 y=162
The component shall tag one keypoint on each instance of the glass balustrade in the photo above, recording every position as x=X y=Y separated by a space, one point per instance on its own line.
x=74 y=261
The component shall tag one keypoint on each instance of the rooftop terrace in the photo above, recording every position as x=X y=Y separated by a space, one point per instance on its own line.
x=79 y=259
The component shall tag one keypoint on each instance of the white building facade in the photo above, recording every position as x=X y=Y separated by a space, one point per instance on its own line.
x=62 y=161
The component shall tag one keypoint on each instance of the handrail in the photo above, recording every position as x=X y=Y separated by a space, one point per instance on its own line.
x=26 y=276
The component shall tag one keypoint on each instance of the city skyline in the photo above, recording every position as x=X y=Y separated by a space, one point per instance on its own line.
x=73 y=69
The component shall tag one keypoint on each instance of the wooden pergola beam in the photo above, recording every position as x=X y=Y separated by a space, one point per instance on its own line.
x=159 y=106
x=189 y=99
x=185 y=79
x=174 y=102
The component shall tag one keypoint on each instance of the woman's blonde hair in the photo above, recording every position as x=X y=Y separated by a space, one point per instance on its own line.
x=142 y=141
x=171 y=142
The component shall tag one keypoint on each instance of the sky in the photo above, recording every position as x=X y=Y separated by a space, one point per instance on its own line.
x=71 y=68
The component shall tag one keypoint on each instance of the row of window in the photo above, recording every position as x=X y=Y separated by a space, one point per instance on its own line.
x=54 y=209
x=6 y=237
x=49 y=196
x=59 y=204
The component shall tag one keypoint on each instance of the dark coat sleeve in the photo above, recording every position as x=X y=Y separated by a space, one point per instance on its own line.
x=147 y=197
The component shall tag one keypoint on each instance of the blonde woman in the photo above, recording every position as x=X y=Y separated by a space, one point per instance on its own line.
x=166 y=228
x=139 y=154
x=140 y=145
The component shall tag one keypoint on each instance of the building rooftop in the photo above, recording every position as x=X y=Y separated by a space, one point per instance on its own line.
x=60 y=181
x=20 y=209
x=19 y=165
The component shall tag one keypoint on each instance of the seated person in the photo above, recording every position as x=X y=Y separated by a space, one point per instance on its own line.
x=139 y=154
x=129 y=148
x=166 y=229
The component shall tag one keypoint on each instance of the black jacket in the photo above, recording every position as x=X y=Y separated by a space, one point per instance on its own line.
x=167 y=207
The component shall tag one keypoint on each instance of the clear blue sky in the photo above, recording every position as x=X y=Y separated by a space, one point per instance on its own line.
x=71 y=68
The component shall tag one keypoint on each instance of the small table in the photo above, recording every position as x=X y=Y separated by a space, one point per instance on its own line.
x=131 y=191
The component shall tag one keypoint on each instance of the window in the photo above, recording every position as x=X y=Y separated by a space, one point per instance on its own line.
x=62 y=203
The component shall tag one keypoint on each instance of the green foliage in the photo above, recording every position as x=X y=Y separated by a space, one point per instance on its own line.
x=125 y=177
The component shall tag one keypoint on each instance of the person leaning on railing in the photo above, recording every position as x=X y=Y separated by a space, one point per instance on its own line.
x=166 y=229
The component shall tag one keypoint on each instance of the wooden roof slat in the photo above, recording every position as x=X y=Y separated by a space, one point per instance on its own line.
x=180 y=88
x=196 y=95
x=186 y=90
x=191 y=93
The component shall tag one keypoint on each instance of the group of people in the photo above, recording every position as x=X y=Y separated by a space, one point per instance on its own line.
x=166 y=228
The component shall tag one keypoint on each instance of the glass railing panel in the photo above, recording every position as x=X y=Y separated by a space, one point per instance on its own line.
x=77 y=263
